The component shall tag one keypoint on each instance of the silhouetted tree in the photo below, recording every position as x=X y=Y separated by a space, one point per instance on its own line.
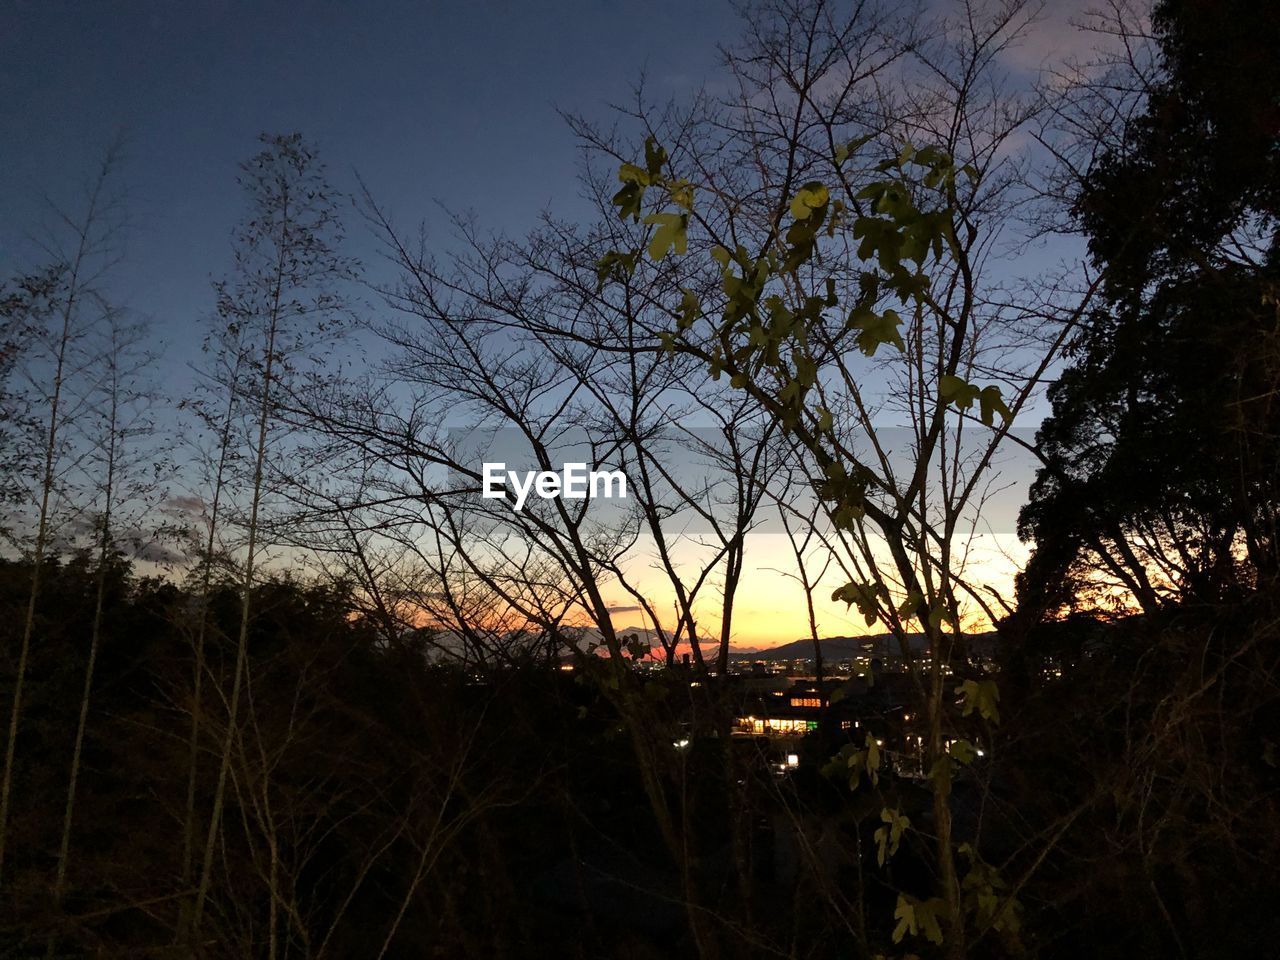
x=280 y=301
x=1162 y=467
x=61 y=315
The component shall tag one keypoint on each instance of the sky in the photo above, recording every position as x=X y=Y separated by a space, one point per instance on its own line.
x=432 y=103
x=452 y=102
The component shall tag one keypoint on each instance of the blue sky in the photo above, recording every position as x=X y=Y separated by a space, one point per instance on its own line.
x=447 y=101
x=433 y=100
x=453 y=102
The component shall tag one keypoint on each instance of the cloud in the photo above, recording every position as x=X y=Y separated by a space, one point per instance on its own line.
x=1066 y=31
x=193 y=506
x=157 y=553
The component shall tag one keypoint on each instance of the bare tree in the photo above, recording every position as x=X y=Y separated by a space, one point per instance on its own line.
x=222 y=422
x=858 y=199
x=283 y=299
x=71 y=307
x=120 y=468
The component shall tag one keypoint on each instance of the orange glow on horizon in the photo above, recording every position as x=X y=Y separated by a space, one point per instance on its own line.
x=769 y=608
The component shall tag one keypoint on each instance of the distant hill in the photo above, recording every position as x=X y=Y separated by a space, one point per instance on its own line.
x=833 y=648
x=843 y=648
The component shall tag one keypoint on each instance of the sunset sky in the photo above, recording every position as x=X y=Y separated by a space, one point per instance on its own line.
x=436 y=105
x=770 y=606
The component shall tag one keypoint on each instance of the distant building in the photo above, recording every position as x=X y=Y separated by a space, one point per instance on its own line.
x=830 y=713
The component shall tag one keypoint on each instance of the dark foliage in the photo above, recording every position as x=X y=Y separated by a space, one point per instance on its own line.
x=1162 y=464
x=407 y=804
